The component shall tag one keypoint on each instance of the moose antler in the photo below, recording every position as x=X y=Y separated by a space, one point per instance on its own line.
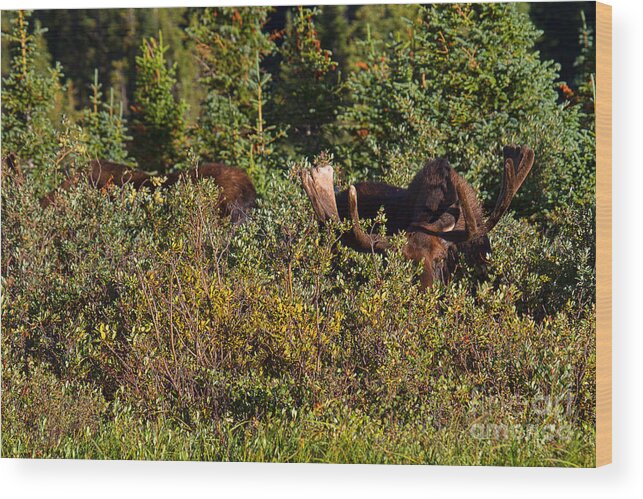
x=318 y=184
x=408 y=210
x=512 y=179
x=374 y=242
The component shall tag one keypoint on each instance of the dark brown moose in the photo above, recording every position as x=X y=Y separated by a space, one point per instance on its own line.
x=439 y=211
x=237 y=196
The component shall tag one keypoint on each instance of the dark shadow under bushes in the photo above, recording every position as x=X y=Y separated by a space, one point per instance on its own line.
x=228 y=337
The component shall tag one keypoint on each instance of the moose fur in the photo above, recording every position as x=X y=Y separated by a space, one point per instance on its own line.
x=430 y=201
x=237 y=197
x=439 y=212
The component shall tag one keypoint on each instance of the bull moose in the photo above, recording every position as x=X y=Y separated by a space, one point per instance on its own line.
x=439 y=211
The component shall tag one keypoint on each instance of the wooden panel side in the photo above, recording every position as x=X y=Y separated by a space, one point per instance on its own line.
x=603 y=234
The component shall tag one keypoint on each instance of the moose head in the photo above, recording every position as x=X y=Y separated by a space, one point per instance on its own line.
x=439 y=211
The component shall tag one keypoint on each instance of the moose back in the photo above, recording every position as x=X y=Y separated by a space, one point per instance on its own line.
x=237 y=198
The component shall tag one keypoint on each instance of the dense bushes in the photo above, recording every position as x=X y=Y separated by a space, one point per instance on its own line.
x=178 y=315
x=143 y=325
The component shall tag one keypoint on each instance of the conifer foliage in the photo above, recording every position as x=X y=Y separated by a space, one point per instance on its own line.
x=460 y=82
x=307 y=92
x=105 y=126
x=231 y=47
x=158 y=117
x=28 y=98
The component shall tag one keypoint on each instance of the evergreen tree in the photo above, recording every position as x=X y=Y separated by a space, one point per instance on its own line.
x=109 y=40
x=158 y=117
x=585 y=66
x=559 y=27
x=104 y=126
x=230 y=48
x=307 y=93
x=379 y=24
x=464 y=81
x=334 y=32
x=28 y=97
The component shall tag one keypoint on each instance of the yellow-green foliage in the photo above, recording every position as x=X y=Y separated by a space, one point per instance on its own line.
x=191 y=327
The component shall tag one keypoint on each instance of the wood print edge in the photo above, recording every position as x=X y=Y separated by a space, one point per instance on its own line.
x=603 y=234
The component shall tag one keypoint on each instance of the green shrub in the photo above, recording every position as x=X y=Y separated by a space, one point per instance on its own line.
x=39 y=411
x=451 y=87
x=552 y=267
x=185 y=319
